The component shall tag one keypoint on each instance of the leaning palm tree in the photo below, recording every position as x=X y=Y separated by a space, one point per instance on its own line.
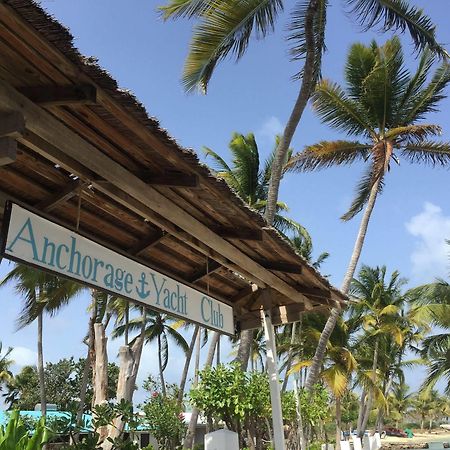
x=384 y=105
x=225 y=28
x=42 y=293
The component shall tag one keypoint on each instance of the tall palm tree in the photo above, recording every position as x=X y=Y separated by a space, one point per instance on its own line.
x=225 y=28
x=157 y=328
x=383 y=104
x=42 y=293
x=400 y=402
x=249 y=178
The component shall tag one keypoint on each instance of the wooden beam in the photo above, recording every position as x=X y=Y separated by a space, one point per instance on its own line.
x=242 y=234
x=281 y=315
x=204 y=271
x=171 y=179
x=279 y=266
x=8 y=150
x=65 y=194
x=147 y=243
x=12 y=125
x=314 y=291
x=76 y=148
x=82 y=94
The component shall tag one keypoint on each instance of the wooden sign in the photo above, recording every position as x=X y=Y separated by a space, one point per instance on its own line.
x=31 y=239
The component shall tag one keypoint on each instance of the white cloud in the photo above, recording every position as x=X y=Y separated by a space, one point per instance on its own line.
x=431 y=228
x=270 y=128
x=23 y=356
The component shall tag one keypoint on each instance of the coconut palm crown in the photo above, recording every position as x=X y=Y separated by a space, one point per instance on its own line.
x=383 y=104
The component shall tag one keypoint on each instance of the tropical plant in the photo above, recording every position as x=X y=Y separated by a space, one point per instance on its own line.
x=384 y=104
x=400 y=402
x=157 y=328
x=378 y=306
x=250 y=180
x=42 y=292
x=16 y=436
x=5 y=364
x=225 y=28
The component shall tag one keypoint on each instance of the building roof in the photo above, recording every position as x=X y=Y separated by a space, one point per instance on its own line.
x=169 y=212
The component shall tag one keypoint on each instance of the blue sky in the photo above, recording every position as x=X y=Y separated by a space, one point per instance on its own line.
x=411 y=219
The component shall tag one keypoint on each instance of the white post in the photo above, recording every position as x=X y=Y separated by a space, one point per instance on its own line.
x=274 y=381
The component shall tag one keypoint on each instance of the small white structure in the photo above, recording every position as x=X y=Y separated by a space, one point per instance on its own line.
x=327 y=447
x=377 y=439
x=356 y=443
x=345 y=445
x=222 y=440
x=366 y=443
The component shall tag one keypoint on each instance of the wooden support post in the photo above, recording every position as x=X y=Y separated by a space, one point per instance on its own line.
x=8 y=150
x=274 y=380
x=69 y=191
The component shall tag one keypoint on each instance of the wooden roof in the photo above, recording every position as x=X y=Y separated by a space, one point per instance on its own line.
x=141 y=193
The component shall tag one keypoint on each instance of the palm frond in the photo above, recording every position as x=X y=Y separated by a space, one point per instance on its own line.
x=339 y=111
x=413 y=133
x=186 y=8
x=397 y=15
x=326 y=154
x=226 y=29
x=427 y=152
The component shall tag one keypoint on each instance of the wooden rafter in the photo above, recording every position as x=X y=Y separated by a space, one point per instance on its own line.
x=147 y=243
x=8 y=150
x=12 y=124
x=242 y=234
x=82 y=94
x=171 y=179
x=65 y=194
x=204 y=271
x=282 y=267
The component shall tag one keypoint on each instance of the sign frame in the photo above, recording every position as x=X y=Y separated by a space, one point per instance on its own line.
x=5 y=228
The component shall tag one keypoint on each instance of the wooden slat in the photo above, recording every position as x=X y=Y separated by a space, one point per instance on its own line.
x=171 y=179
x=82 y=94
x=8 y=150
x=12 y=125
x=203 y=272
x=314 y=292
x=242 y=234
x=279 y=266
x=62 y=196
x=147 y=243
x=42 y=124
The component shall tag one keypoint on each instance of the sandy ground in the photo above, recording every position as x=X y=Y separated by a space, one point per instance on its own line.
x=434 y=436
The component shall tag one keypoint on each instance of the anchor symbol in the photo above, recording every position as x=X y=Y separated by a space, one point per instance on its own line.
x=143 y=283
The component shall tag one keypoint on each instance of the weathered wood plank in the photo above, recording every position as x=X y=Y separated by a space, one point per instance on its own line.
x=241 y=234
x=208 y=269
x=171 y=179
x=8 y=150
x=147 y=243
x=72 y=189
x=82 y=94
x=12 y=124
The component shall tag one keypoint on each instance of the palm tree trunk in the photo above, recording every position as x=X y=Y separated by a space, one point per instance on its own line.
x=309 y=79
x=338 y=423
x=314 y=369
x=362 y=411
x=40 y=365
x=87 y=365
x=190 y=436
x=161 y=371
x=187 y=364
x=371 y=391
x=245 y=343
x=289 y=359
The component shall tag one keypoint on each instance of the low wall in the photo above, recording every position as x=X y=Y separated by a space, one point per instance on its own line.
x=406 y=446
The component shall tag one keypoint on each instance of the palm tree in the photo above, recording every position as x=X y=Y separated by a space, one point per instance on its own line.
x=400 y=402
x=250 y=180
x=5 y=364
x=382 y=103
x=379 y=308
x=225 y=28
x=42 y=292
x=157 y=328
